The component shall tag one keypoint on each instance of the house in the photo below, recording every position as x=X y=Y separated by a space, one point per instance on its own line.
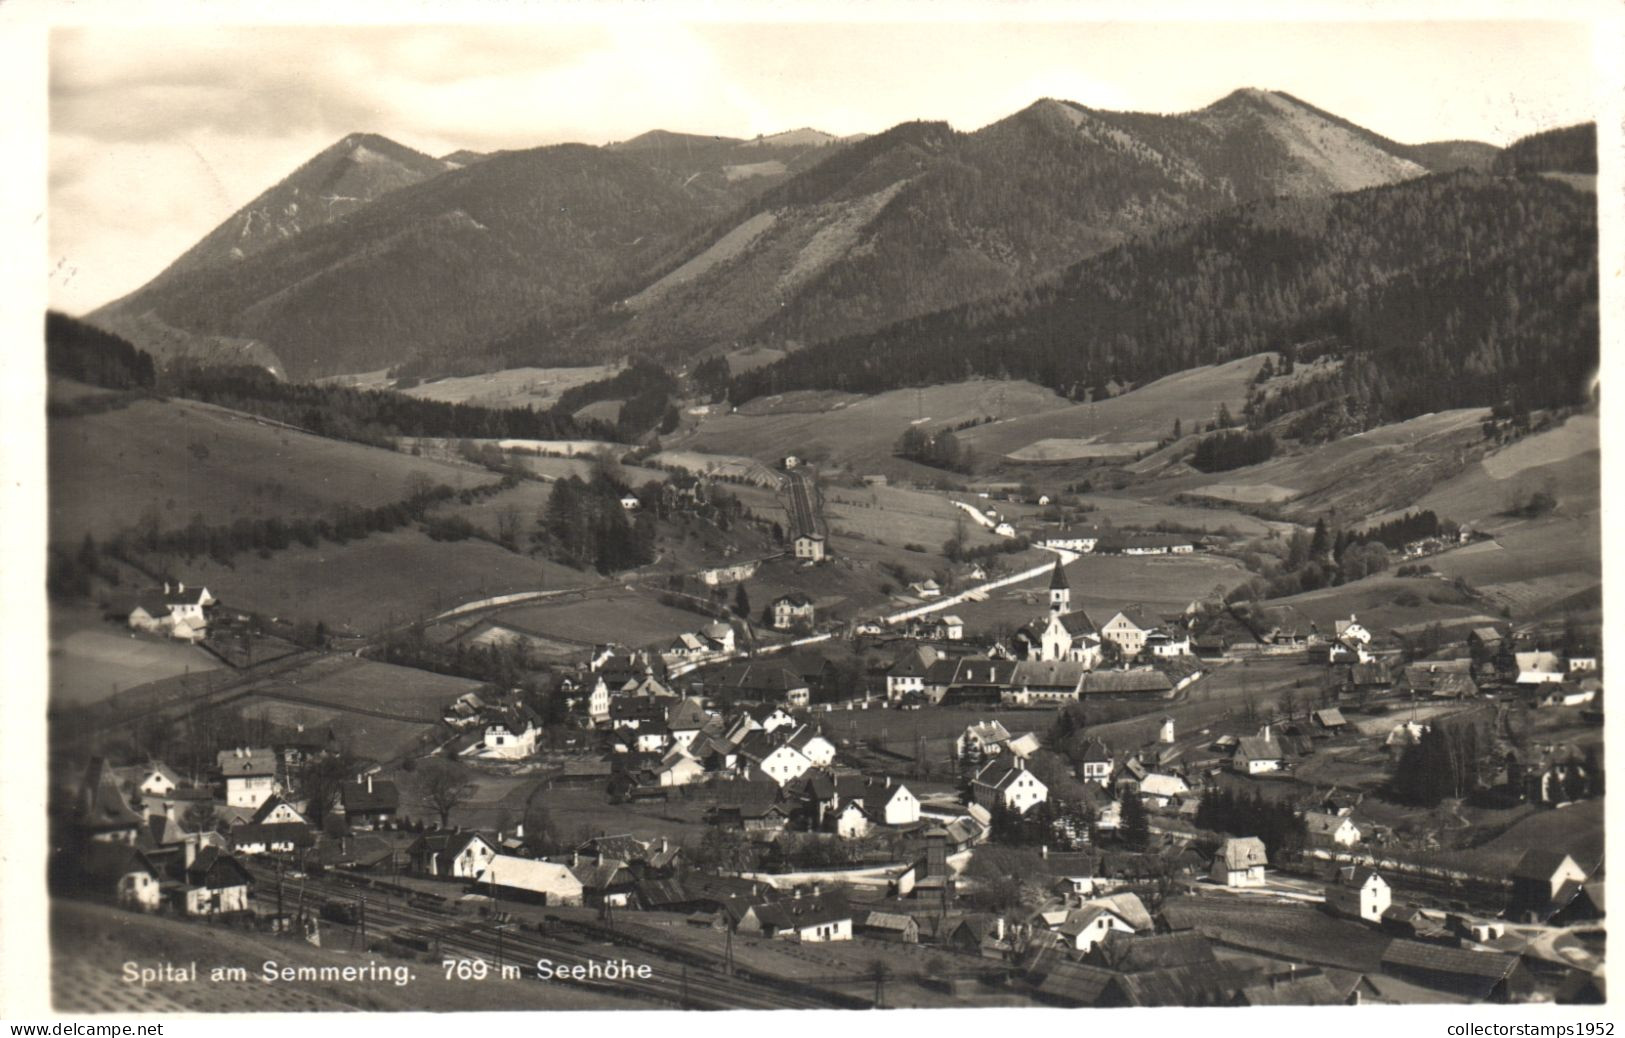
x=450 y=854
x=1129 y=629
x=277 y=811
x=927 y=588
x=686 y=719
x=891 y=802
x=812 y=918
x=508 y=735
x=851 y=821
x=750 y=806
x=153 y=779
x=1543 y=881
x=1240 y=862
x=630 y=502
x=1141 y=682
x=607 y=881
x=792 y=609
x=1087 y=926
x=1041 y=680
x=1485 y=642
x=250 y=776
x=1351 y=630
x=216 y=884
x=1538 y=668
x=369 y=803
x=1300 y=987
x=1256 y=754
x=1005 y=781
x=1095 y=762
x=1330 y=830
x=889 y=926
x=812 y=745
x=754 y=682
x=1329 y=720
x=987 y=738
x=678 y=768
x=908 y=673
x=781 y=763
x=1582 y=664
x=1406 y=735
x=1359 y=894
x=1081 y=539
x=1024 y=745
x=810 y=546
x=1479 y=976
x=119 y=873
x=527 y=879
x=1157 y=789
x=598 y=701
x=1440 y=679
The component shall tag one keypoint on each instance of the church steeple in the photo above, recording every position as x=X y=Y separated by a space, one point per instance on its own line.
x=1060 y=593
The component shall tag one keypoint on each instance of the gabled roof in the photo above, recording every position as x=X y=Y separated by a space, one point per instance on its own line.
x=247 y=763
x=1137 y=615
x=1329 y=717
x=526 y=874
x=988 y=732
x=1541 y=864
x=1307 y=987
x=1127 y=907
x=1256 y=747
x=1095 y=752
x=383 y=796
x=1243 y=852
x=1002 y=772
x=271 y=804
x=1322 y=823
x=1133 y=953
x=1120 y=682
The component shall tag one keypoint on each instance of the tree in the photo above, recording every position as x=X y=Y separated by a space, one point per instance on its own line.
x=200 y=817
x=1177 y=433
x=741 y=601
x=879 y=972
x=321 y=778
x=445 y=789
x=1136 y=824
x=1288 y=704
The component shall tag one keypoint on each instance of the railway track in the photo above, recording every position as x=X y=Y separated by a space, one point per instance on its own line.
x=676 y=984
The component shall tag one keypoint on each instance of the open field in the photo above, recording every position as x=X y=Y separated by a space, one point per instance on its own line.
x=1539 y=563
x=1123 y=510
x=1247 y=493
x=633 y=618
x=91 y=659
x=1564 y=462
x=524 y=503
x=752 y=357
x=892 y=515
x=704 y=463
x=372 y=738
x=1295 y=932
x=1103 y=584
x=91 y=943
x=1373 y=600
x=601 y=411
x=381 y=579
x=861 y=432
x=178 y=458
x=1577 y=829
x=1144 y=414
x=1090 y=448
x=515 y=387
x=348 y=683
x=1386 y=469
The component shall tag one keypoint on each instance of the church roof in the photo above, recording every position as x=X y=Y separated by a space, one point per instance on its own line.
x=1057 y=579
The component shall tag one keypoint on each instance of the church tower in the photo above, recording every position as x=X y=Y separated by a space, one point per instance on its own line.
x=1060 y=594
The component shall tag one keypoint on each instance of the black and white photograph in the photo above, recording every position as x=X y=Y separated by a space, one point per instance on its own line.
x=596 y=506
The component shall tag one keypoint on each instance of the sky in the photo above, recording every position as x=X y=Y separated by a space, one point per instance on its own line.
x=157 y=134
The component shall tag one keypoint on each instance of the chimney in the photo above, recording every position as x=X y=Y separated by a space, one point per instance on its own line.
x=1266 y=731
x=189 y=850
x=662 y=845
x=1043 y=851
x=519 y=831
x=369 y=782
x=180 y=589
x=998 y=928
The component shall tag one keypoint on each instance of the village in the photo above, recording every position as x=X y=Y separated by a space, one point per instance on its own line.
x=1125 y=808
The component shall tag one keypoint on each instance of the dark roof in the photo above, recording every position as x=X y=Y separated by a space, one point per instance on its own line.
x=1309 y=987
x=1438 y=958
x=800 y=912
x=794 y=598
x=755 y=677
x=1539 y=864
x=271 y=804
x=1057 y=577
x=1133 y=953
x=383 y=796
x=1074 y=983
x=1107 y=682
x=108 y=862
x=215 y=869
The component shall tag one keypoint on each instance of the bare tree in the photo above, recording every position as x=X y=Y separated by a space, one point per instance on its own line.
x=445 y=790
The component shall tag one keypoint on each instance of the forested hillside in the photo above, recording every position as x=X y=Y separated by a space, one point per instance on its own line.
x=1453 y=290
x=1572 y=149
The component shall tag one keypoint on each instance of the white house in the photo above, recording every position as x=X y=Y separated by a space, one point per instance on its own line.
x=1539 y=668
x=1158 y=789
x=250 y=776
x=1129 y=629
x=985 y=737
x=809 y=546
x=507 y=738
x=1087 y=926
x=1351 y=630
x=1165 y=645
x=1256 y=754
x=894 y=804
x=953 y=629
x=1360 y=895
x=851 y=821
x=1329 y=830
x=630 y=502
x=817 y=749
x=785 y=763
x=598 y=702
x=276 y=811
x=791 y=609
x=1006 y=781
x=677 y=768
x=1578 y=664
x=1240 y=862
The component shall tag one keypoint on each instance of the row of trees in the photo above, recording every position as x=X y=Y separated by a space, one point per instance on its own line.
x=585 y=524
x=1232 y=449
x=940 y=450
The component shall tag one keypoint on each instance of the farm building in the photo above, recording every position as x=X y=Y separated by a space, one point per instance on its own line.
x=1480 y=976
x=1257 y=753
x=526 y=879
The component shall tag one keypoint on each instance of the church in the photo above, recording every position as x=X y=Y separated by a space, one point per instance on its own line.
x=1064 y=634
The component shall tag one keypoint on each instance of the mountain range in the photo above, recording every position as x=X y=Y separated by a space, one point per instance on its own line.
x=372 y=255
